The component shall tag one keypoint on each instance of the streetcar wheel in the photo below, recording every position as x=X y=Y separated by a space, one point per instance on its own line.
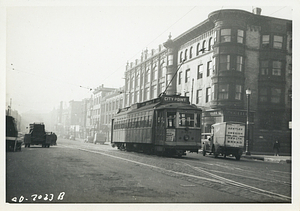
x=224 y=155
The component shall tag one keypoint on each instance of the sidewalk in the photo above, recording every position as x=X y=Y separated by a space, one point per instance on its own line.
x=269 y=157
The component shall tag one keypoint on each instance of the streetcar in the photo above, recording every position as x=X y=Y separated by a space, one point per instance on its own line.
x=167 y=125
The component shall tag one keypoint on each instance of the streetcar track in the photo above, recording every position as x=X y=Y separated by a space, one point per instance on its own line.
x=148 y=165
x=241 y=185
x=254 y=178
x=251 y=172
x=213 y=177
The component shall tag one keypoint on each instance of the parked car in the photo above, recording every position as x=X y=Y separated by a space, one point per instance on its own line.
x=99 y=138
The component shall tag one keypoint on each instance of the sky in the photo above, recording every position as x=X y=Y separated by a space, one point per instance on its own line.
x=60 y=50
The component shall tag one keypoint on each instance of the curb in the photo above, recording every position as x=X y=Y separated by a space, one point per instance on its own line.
x=273 y=160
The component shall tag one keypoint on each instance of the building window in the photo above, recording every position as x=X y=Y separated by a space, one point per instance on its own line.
x=198 y=49
x=154 y=92
x=187 y=76
x=180 y=78
x=147 y=94
x=200 y=71
x=137 y=96
x=132 y=98
x=223 y=91
x=225 y=35
x=132 y=82
x=209 y=68
x=265 y=41
x=213 y=95
x=240 y=36
x=239 y=63
x=208 y=94
x=210 y=44
x=185 y=54
x=199 y=96
x=147 y=76
x=264 y=68
x=181 y=56
x=238 y=92
x=263 y=95
x=161 y=87
x=137 y=82
x=204 y=46
x=276 y=70
x=154 y=73
x=275 y=95
x=224 y=62
x=278 y=40
x=170 y=59
x=191 y=52
x=162 y=72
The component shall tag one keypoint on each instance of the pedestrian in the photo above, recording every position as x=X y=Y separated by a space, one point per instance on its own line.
x=276 y=147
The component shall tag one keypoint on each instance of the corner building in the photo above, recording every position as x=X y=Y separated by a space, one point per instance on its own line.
x=231 y=51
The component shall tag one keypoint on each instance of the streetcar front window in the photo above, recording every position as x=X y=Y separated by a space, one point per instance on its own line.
x=171 y=118
x=186 y=120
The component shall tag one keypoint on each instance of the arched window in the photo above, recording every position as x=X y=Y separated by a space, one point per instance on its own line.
x=198 y=49
x=181 y=56
x=191 y=52
x=204 y=46
x=185 y=54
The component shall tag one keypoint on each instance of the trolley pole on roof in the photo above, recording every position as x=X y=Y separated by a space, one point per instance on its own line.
x=164 y=92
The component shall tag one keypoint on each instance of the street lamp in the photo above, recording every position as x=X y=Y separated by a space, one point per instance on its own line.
x=248 y=93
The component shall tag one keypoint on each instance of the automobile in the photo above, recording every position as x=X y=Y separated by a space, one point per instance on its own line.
x=89 y=139
x=99 y=138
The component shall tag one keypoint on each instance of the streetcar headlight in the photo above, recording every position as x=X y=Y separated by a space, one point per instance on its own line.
x=186 y=137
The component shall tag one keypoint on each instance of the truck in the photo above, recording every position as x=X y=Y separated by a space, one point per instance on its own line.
x=37 y=136
x=227 y=138
x=13 y=141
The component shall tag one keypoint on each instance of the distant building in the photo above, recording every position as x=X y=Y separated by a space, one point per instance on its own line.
x=86 y=125
x=98 y=115
x=146 y=78
x=215 y=62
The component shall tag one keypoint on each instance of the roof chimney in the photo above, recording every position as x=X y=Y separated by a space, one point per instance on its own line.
x=256 y=11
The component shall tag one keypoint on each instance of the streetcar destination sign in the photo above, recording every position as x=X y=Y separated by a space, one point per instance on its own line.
x=171 y=99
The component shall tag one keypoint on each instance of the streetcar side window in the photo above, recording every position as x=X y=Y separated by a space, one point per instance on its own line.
x=150 y=120
x=198 y=120
x=171 y=119
x=130 y=122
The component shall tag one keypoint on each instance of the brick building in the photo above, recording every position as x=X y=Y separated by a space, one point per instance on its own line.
x=215 y=62
x=99 y=112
